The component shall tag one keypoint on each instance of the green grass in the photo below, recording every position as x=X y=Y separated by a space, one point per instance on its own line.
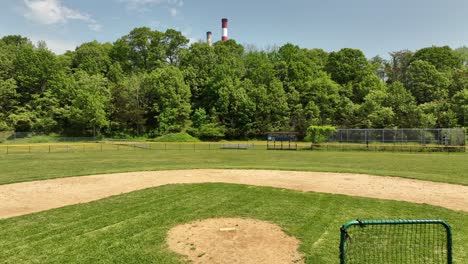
x=441 y=167
x=132 y=228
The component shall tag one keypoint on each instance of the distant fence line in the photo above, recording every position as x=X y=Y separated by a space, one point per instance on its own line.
x=210 y=146
x=423 y=137
x=412 y=140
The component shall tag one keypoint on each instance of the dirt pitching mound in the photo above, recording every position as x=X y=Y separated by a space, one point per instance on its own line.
x=234 y=240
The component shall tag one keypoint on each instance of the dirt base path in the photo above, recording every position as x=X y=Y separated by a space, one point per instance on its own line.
x=23 y=198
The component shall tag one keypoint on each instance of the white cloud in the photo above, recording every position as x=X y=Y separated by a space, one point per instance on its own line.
x=56 y=45
x=142 y=5
x=95 y=27
x=50 y=12
x=173 y=11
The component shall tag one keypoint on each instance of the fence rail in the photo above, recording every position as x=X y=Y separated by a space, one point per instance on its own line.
x=213 y=146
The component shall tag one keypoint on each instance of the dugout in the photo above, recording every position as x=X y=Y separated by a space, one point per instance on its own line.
x=282 y=141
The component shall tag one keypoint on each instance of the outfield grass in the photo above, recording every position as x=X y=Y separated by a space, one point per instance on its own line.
x=132 y=228
x=440 y=167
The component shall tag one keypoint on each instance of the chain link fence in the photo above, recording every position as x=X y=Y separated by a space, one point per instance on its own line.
x=404 y=140
x=423 y=137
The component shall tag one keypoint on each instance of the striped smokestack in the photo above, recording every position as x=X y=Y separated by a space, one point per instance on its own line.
x=224 y=22
x=209 y=38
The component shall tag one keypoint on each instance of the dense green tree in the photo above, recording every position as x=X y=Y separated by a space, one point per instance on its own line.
x=459 y=81
x=88 y=100
x=462 y=54
x=168 y=100
x=127 y=110
x=234 y=108
x=259 y=68
x=426 y=83
x=16 y=41
x=271 y=108
x=147 y=83
x=443 y=58
x=378 y=65
x=403 y=104
x=205 y=127
x=141 y=50
x=198 y=65
x=396 y=68
x=8 y=101
x=93 y=57
x=174 y=42
x=325 y=94
x=438 y=114
x=460 y=107
x=374 y=111
x=7 y=60
x=348 y=66
x=34 y=68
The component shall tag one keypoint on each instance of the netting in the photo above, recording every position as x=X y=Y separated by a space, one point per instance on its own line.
x=395 y=242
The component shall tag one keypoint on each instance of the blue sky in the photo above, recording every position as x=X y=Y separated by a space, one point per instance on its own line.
x=374 y=26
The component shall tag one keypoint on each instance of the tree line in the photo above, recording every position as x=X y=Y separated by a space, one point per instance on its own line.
x=151 y=83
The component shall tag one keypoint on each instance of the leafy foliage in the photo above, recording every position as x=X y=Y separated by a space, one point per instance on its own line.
x=318 y=134
x=177 y=137
x=151 y=83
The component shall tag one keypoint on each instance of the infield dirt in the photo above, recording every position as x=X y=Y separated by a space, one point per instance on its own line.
x=234 y=240
x=23 y=198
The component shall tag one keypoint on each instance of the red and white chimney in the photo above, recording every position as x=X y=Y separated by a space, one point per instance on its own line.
x=224 y=22
x=209 y=38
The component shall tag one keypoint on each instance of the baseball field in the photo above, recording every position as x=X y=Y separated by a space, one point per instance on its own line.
x=121 y=206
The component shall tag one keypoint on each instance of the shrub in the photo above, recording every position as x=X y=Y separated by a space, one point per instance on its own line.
x=319 y=134
x=177 y=137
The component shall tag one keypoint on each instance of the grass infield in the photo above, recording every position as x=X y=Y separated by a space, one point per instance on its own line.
x=439 y=167
x=132 y=228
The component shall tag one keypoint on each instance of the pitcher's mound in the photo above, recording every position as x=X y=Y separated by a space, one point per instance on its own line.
x=233 y=240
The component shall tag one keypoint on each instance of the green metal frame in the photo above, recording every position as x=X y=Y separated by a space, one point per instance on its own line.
x=344 y=235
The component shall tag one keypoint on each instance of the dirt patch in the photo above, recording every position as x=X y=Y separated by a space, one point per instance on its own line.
x=234 y=240
x=23 y=198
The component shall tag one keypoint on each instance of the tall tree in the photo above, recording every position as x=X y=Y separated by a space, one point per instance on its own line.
x=174 y=42
x=141 y=50
x=396 y=68
x=168 y=100
x=426 y=83
x=443 y=58
x=460 y=107
x=86 y=111
x=93 y=57
x=8 y=102
x=127 y=110
x=348 y=65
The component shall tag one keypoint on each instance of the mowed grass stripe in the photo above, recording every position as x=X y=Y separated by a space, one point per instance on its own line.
x=440 y=167
x=132 y=228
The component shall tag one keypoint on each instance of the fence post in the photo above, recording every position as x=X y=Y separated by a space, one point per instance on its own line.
x=101 y=147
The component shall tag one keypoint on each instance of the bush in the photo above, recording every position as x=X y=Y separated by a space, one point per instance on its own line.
x=177 y=137
x=209 y=131
x=319 y=134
